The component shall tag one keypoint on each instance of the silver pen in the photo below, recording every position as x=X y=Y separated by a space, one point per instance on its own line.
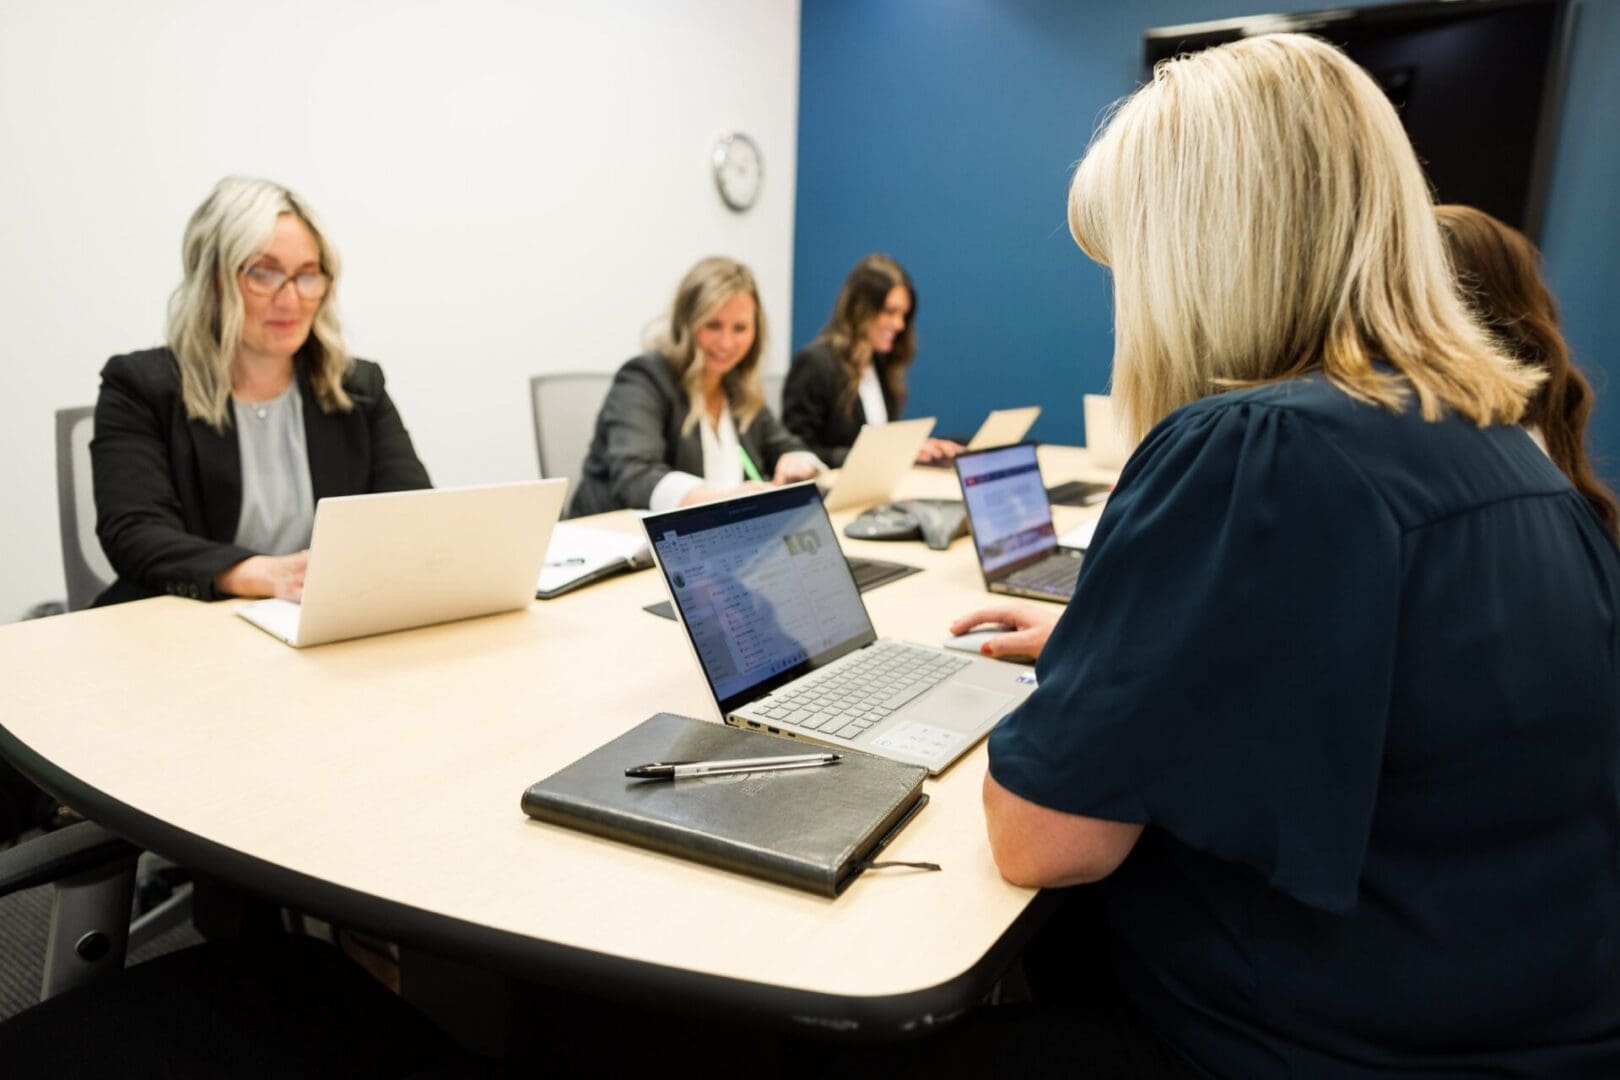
x=680 y=770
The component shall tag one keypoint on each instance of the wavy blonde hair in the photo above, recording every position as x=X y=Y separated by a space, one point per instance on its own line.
x=706 y=287
x=233 y=225
x=1263 y=214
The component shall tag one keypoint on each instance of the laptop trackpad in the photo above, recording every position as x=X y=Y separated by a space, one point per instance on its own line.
x=959 y=706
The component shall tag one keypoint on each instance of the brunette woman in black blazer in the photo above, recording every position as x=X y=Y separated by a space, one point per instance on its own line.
x=209 y=454
x=686 y=422
x=854 y=372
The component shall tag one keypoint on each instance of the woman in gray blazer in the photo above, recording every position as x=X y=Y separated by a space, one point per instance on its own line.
x=686 y=421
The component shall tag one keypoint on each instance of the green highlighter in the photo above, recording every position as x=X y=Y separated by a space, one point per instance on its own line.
x=749 y=469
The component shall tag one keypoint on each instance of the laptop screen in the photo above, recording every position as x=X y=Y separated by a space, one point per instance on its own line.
x=763 y=589
x=1007 y=505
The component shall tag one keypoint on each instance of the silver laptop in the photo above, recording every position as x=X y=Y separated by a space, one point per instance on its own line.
x=1002 y=427
x=784 y=641
x=880 y=457
x=1011 y=521
x=411 y=558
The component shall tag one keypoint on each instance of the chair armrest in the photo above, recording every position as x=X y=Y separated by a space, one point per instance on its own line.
x=61 y=854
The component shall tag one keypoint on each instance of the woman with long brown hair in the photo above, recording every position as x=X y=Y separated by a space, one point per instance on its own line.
x=854 y=372
x=1499 y=271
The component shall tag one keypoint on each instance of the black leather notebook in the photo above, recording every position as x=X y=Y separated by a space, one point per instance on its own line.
x=813 y=829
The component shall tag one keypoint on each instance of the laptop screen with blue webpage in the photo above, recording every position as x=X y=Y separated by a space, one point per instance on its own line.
x=1007 y=505
x=762 y=587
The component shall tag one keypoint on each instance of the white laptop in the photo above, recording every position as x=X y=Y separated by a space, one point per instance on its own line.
x=784 y=641
x=1002 y=427
x=402 y=559
x=880 y=457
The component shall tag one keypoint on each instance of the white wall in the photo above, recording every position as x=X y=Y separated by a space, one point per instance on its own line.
x=515 y=187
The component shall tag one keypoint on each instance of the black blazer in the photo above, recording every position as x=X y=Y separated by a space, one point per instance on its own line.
x=811 y=407
x=169 y=489
x=638 y=440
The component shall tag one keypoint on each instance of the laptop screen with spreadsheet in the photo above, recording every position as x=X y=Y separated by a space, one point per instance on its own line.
x=763 y=590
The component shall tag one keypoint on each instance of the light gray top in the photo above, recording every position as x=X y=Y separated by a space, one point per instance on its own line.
x=278 y=505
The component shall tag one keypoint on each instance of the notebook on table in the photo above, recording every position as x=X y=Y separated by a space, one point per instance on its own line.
x=813 y=829
x=579 y=555
x=786 y=646
x=1011 y=522
x=1001 y=428
x=880 y=457
x=402 y=559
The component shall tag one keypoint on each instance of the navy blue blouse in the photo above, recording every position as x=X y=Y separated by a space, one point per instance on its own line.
x=1359 y=675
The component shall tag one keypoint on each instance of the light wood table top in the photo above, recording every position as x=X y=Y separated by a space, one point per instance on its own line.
x=377 y=782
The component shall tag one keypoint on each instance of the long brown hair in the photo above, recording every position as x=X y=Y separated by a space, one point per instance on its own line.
x=865 y=291
x=1499 y=272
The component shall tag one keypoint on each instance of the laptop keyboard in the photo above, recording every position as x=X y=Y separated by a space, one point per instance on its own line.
x=860 y=690
x=1055 y=575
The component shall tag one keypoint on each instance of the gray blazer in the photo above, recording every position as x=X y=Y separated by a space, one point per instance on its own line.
x=638 y=440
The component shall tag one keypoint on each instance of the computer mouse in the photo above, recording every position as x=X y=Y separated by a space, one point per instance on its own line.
x=973 y=641
x=886 y=522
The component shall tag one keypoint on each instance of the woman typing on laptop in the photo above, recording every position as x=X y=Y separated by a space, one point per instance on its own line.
x=1330 y=719
x=854 y=373
x=686 y=421
x=209 y=453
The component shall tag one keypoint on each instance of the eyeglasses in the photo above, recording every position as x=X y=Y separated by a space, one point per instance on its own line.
x=268 y=281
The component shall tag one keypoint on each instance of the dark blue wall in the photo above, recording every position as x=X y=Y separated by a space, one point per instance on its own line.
x=944 y=132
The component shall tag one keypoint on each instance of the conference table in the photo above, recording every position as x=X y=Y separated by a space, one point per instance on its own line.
x=376 y=783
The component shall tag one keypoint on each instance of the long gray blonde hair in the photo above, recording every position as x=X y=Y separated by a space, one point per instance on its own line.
x=706 y=287
x=1263 y=214
x=235 y=223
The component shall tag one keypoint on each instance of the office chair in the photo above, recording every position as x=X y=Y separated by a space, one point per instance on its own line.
x=773 y=392
x=273 y=1005
x=87 y=573
x=565 y=407
x=83 y=564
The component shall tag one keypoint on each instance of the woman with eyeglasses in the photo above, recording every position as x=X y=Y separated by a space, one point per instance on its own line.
x=210 y=453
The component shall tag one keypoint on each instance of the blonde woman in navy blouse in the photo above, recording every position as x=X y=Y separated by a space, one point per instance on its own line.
x=1331 y=726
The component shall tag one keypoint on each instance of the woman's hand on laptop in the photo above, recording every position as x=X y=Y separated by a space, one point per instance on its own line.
x=797 y=465
x=280 y=576
x=1029 y=627
x=937 y=450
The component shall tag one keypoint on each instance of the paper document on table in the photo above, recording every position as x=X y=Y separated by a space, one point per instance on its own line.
x=579 y=554
x=1078 y=537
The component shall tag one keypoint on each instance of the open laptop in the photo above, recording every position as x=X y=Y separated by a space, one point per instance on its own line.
x=1011 y=521
x=880 y=457
x=786 y=646
x=1002 y=427
x=402 y=559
